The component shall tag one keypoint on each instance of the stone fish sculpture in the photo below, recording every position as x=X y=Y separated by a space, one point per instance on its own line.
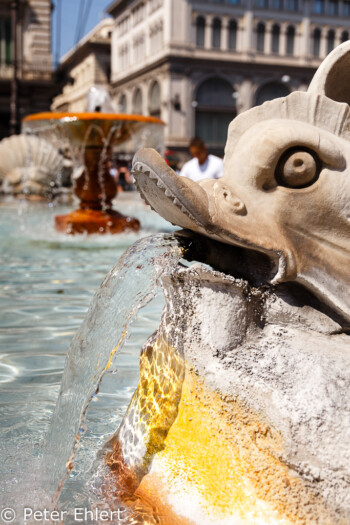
x=286 y=185
x=242 y=412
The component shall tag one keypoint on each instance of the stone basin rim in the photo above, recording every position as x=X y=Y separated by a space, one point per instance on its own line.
x=91 y=116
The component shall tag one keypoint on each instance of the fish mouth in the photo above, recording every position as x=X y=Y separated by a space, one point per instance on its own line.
x=177 y=199
x=186 y=204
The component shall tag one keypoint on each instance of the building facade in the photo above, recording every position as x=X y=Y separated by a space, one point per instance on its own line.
x=34 y=62
x=197 y=64
x=85 y=66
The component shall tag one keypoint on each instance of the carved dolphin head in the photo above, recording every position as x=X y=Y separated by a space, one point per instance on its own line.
x=285 y=190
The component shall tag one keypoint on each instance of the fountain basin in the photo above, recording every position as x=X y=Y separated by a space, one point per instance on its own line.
x=92 y=139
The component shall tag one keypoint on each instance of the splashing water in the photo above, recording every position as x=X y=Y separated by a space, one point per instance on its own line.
x=130 y=285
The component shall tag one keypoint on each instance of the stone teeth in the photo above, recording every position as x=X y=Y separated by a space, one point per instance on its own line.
x=160 y=184
x=168 y=193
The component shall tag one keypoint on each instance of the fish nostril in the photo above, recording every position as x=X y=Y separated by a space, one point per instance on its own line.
x=233 y=203
x=238 y=206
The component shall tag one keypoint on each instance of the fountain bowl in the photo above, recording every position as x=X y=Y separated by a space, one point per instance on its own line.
x=92 y=138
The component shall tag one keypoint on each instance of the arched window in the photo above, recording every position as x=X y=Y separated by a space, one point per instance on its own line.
x=232 y=34
x=216 y=107
x=154 y=100
x=122 y=105
x=316 y=42
x=330 y=40
x=275 y=38
x=270 y=91
x=216 y=42
x=137 y=102
x=344 y=36
x=290 y=40
x=200 y=31
x=260 y=37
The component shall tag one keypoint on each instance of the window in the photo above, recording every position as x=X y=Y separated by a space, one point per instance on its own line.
x=346 y=8
x=333 y=7
x=122 y=106
x=138 y=13
x=5 y=41
x=275 y=39
x=216 y=41
x=154 y=100
x=318 y=7
x=261 y=4
x=344 y=36
x=316 y=42
x=330 y=40
x=277 y=4
x=235 y=2
x=260 y=37
x=270 y=91
x=290 y=40
x=215 y=110
x=200 y=31
x=292 y=5
x=137 y=102
x=232 y=34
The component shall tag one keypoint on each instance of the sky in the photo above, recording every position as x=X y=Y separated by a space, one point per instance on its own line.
x=72 y=15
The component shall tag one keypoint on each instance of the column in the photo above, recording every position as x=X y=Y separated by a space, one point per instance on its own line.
x=224 y=33
x=268 y=38
x=167 y=22
x=283 y=40
x=240 y=35
x=208 y=32
x=248 y=32
x=338 y=33
x=323 y=46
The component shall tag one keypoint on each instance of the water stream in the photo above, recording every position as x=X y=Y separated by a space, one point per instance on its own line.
x=130 y=285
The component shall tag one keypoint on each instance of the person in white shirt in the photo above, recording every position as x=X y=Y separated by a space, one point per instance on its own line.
x=202 y=166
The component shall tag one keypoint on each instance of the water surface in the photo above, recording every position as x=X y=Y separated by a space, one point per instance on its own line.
x=47 y=281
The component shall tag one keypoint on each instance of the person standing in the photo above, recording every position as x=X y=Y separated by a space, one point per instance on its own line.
x=202 y=165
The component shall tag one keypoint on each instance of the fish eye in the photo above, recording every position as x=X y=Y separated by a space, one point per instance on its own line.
x=298 y=168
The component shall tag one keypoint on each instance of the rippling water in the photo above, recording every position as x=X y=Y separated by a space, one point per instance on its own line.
x=47 y=281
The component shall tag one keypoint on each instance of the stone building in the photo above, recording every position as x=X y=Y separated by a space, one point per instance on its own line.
x=85 y=66
x=197 y=64
x=35 y=73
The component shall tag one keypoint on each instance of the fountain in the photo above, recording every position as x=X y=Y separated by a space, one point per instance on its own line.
x=242 y=410
x=241 y=413
x=91 y=137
